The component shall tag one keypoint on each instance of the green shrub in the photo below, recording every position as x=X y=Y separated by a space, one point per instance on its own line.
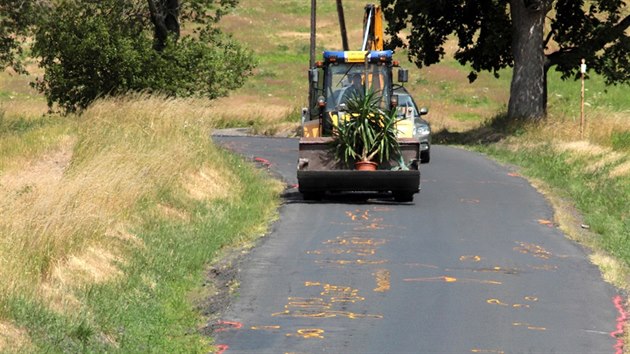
x=91 y=49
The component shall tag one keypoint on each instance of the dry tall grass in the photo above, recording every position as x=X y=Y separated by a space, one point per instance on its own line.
x=65 y=215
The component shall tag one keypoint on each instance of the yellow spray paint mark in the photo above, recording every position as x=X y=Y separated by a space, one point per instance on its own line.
x=496 y=302
x=469 y=201
x=383 y=280
x=325 y=306
x=341 y=293
x=324 y=314
x=447 y=279
x=308 y=333
x=470 y=258
x=358 y=215
x=534 y=250
x=531 y=298
x=548 y=267
x=353 y=261
x=422 y=265
x=494 y=351
x=265 y=328
x=382 y=209
x=354 y=240
x=528 y=326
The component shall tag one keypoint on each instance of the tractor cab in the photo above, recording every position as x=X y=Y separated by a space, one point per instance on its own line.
x=342 y=75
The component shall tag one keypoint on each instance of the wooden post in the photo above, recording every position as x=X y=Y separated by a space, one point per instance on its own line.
x=583 y=71
x=311 y=62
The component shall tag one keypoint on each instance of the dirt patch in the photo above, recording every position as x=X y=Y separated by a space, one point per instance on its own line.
x=45 y=172
x=13 y=338
x=209 y=184
x=219 y=287
x=93 y=266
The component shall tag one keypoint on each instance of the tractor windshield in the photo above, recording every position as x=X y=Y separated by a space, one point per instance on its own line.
x=346 y=80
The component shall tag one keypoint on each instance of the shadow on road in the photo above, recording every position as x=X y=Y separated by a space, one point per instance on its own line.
x=293 y=196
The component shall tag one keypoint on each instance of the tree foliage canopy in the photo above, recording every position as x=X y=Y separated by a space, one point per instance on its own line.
x=575 y=29
x=16 y=19
x=90 y=49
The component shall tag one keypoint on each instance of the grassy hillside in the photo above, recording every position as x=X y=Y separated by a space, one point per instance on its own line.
x=109 y=221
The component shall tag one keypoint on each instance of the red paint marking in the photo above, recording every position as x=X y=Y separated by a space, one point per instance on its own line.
x=221 y=348
x=228 y=325
x=294 y=186
x=513 y=174
x=265 y=162
x=621 y=323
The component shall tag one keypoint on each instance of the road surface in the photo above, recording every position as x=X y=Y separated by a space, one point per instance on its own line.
x=473 y=265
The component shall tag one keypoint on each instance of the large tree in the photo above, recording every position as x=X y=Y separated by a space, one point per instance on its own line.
x=531 y=36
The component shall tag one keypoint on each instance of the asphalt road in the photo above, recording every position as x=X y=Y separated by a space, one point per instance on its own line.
x=473 y=265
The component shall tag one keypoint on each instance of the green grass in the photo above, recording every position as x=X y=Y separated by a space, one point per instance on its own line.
x=467 y=116
x=148 y=309
x=621 y=140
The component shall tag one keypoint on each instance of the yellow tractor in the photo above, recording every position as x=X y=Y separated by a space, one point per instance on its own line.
x=331 y=82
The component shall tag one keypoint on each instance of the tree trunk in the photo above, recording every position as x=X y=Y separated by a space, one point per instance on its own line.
x=165 y=19
x=528 y=89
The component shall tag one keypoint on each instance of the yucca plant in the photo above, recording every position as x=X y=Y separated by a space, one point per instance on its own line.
x=368 y=133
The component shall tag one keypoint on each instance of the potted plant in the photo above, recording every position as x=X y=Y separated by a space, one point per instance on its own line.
x=367 y=134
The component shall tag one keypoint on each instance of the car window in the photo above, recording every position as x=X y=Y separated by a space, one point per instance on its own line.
x=404 y=103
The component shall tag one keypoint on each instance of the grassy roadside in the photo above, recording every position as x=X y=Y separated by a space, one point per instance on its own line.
x=111 y=225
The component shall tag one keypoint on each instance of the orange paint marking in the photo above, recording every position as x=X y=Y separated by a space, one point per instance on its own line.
x=228 y=325
x=221 y=348
x=447 y=279
x=545 y=222
x=513 y=174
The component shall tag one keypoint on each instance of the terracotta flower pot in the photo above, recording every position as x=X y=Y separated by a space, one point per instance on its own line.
x=365 y=166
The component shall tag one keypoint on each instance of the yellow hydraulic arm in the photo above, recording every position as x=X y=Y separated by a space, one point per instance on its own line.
x=373 y=28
